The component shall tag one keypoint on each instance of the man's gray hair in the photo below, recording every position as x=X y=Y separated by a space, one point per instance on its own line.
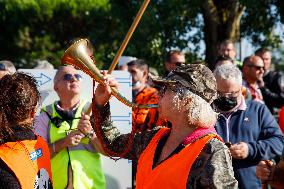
x=228 y=71
x=57 y=74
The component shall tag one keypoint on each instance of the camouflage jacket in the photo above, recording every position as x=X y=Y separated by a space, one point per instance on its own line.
x=212 y=169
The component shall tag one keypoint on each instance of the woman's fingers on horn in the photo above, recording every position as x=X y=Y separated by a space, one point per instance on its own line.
x=112 y=82
x=104 y=72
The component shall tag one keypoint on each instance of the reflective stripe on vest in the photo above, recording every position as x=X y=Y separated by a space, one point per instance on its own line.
x=85 y=163
x=30 y=162
x=173 y=172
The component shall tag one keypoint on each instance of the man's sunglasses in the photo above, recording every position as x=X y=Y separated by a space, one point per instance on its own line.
x=178 y=63
x=256 y=67
x=69 y=77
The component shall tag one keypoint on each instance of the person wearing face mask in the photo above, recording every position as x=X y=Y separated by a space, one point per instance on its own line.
x=247 y=126
x=142 y=93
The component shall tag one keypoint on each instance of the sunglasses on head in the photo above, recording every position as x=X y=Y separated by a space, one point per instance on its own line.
x=256 y=67
x=2 y=67
x=69 y=77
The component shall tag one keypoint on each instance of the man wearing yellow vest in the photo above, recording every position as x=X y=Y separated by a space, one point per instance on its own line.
x=75 y=162
x=24 y=156
x=189 y=154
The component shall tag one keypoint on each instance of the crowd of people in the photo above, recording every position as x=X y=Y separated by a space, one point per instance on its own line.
x=217 y=128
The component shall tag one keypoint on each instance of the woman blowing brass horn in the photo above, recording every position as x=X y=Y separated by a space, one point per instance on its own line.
x=189 y=154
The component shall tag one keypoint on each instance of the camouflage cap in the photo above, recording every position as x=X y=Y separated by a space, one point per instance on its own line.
x=196 y=77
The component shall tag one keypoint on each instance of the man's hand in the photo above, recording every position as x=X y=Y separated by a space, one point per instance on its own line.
x=239 y=150
x=264 y=169
x=73 y=138
x=103 y=92
x=85 y=125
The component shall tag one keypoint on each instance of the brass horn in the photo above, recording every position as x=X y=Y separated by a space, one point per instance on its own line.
x=79 y=55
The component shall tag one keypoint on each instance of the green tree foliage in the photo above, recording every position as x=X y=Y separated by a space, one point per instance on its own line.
x=165 y=25
x=33 y=29
x=42 y=29
x=182 y=24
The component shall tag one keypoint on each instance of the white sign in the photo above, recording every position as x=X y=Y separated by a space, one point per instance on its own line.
x=118 y=173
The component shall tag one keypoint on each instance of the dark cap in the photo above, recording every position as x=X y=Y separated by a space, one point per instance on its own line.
x=196 y=77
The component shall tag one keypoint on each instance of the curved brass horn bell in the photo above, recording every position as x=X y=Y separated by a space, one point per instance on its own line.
x=79 y=55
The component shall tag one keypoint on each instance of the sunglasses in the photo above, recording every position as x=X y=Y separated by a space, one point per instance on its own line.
x=2 y=67
x=69 y=77
x=256 y=67
x=230 y=94
x=178 y=63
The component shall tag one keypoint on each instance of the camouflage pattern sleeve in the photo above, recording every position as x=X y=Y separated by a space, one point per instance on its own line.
x=213 y=168
x=114 y=140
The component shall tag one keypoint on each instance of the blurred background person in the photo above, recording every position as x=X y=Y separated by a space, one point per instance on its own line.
x=24 y=156
x=75 y=162
x=227 y=48
x=123 y=60
x=43 y=64
x=253 y=69
x=173 y=59
x=223 y=59
x=143 y=94
x=6 y=67
x=272 y=83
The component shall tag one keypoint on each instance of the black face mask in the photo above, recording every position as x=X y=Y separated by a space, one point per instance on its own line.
x=226 y=104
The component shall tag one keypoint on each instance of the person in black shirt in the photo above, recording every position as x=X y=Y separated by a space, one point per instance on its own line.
x=272 y=85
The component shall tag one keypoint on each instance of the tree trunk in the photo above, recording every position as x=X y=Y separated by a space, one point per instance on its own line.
x=221 y=22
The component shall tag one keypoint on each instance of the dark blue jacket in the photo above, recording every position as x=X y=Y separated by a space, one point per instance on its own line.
x=258 y=128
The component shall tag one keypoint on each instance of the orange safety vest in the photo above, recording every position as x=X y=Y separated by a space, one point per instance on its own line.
x=173 y=172
x=144 y=119
x=30 y=162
